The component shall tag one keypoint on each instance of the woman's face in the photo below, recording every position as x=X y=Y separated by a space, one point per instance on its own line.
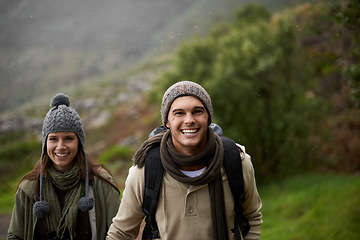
x=62 y=148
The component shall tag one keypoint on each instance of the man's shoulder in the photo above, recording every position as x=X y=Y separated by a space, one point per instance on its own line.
x=136 y=171
x=247 y=165
x=136 y=174
x=242 y=151
x=245 y=158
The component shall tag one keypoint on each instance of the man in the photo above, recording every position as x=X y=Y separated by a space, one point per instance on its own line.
x=195 y=199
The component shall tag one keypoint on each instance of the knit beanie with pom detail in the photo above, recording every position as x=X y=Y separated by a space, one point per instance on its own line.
x=62 y=118
x=185 y=88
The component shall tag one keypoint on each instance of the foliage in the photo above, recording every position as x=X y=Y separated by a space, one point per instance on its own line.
x=260 y=96
x=16 y=152
x=17 y=157
x=311 y=207
x=115 y=153
x=116 y=159
x=251 y=13
x=350 y=17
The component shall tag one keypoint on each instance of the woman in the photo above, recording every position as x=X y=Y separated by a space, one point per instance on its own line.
x=65 y=196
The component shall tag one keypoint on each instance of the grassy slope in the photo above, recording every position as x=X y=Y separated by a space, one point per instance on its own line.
x=307 y=207
x=312 y=207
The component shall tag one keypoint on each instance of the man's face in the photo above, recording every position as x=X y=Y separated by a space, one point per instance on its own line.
x=188 y=123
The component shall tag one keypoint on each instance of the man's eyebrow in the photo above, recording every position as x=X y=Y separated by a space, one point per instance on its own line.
x=177 y=109
x=196 y=107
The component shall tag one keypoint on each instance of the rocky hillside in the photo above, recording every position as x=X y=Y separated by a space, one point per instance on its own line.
x=47 y=46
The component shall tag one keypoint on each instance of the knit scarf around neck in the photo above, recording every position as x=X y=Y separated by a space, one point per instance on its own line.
x=212 y=155
x=60 y=220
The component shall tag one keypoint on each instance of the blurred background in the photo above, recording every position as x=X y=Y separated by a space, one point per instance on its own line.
x=284 y=77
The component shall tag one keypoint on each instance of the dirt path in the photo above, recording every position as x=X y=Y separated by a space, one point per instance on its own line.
x=4 y=225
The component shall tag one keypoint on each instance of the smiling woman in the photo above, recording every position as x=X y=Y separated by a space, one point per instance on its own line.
x=62 y=148
x=56 y=199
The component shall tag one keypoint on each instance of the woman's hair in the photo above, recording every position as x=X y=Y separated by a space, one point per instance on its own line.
x=94 y=169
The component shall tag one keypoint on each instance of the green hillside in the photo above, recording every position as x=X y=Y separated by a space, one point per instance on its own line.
x=312 y=207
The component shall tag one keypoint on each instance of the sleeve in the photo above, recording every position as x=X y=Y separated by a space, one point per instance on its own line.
x=16 y=228
x=126 y=223
x=106 y=204
x=252 y=204
x=112 y=201
x=112 y=204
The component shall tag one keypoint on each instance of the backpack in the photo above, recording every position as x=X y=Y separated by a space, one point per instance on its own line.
x=153 y=178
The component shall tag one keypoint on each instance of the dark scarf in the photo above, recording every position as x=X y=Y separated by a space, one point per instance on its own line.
x=63 y=219
x=212 y=155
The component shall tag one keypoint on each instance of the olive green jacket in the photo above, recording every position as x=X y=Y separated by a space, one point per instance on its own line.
x=107 y=201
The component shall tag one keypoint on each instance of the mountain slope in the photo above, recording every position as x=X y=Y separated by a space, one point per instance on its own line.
x=46 y=45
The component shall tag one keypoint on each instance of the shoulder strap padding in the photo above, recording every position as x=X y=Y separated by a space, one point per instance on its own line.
x=234 y=171
x=153 y=178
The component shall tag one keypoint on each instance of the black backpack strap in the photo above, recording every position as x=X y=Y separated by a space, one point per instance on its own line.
x=153 y=178
x=234 y=171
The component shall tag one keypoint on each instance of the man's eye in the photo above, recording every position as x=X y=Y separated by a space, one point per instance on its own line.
x=52 y=139
x=178 y=113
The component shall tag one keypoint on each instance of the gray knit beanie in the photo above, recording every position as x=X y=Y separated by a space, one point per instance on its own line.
x=185 y=88
x=62 y=118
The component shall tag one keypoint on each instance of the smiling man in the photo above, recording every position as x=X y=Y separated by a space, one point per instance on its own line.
x=195 y=200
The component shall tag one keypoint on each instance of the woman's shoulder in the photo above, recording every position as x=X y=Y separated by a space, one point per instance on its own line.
x=28 y=187
x=104 y=173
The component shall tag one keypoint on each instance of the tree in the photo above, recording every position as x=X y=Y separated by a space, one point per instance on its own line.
x=350 y=17
x=259 y=93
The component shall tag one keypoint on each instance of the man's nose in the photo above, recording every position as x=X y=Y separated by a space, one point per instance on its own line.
x=189 y=119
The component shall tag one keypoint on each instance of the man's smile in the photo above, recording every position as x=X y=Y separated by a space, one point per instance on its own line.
x=189 y=131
